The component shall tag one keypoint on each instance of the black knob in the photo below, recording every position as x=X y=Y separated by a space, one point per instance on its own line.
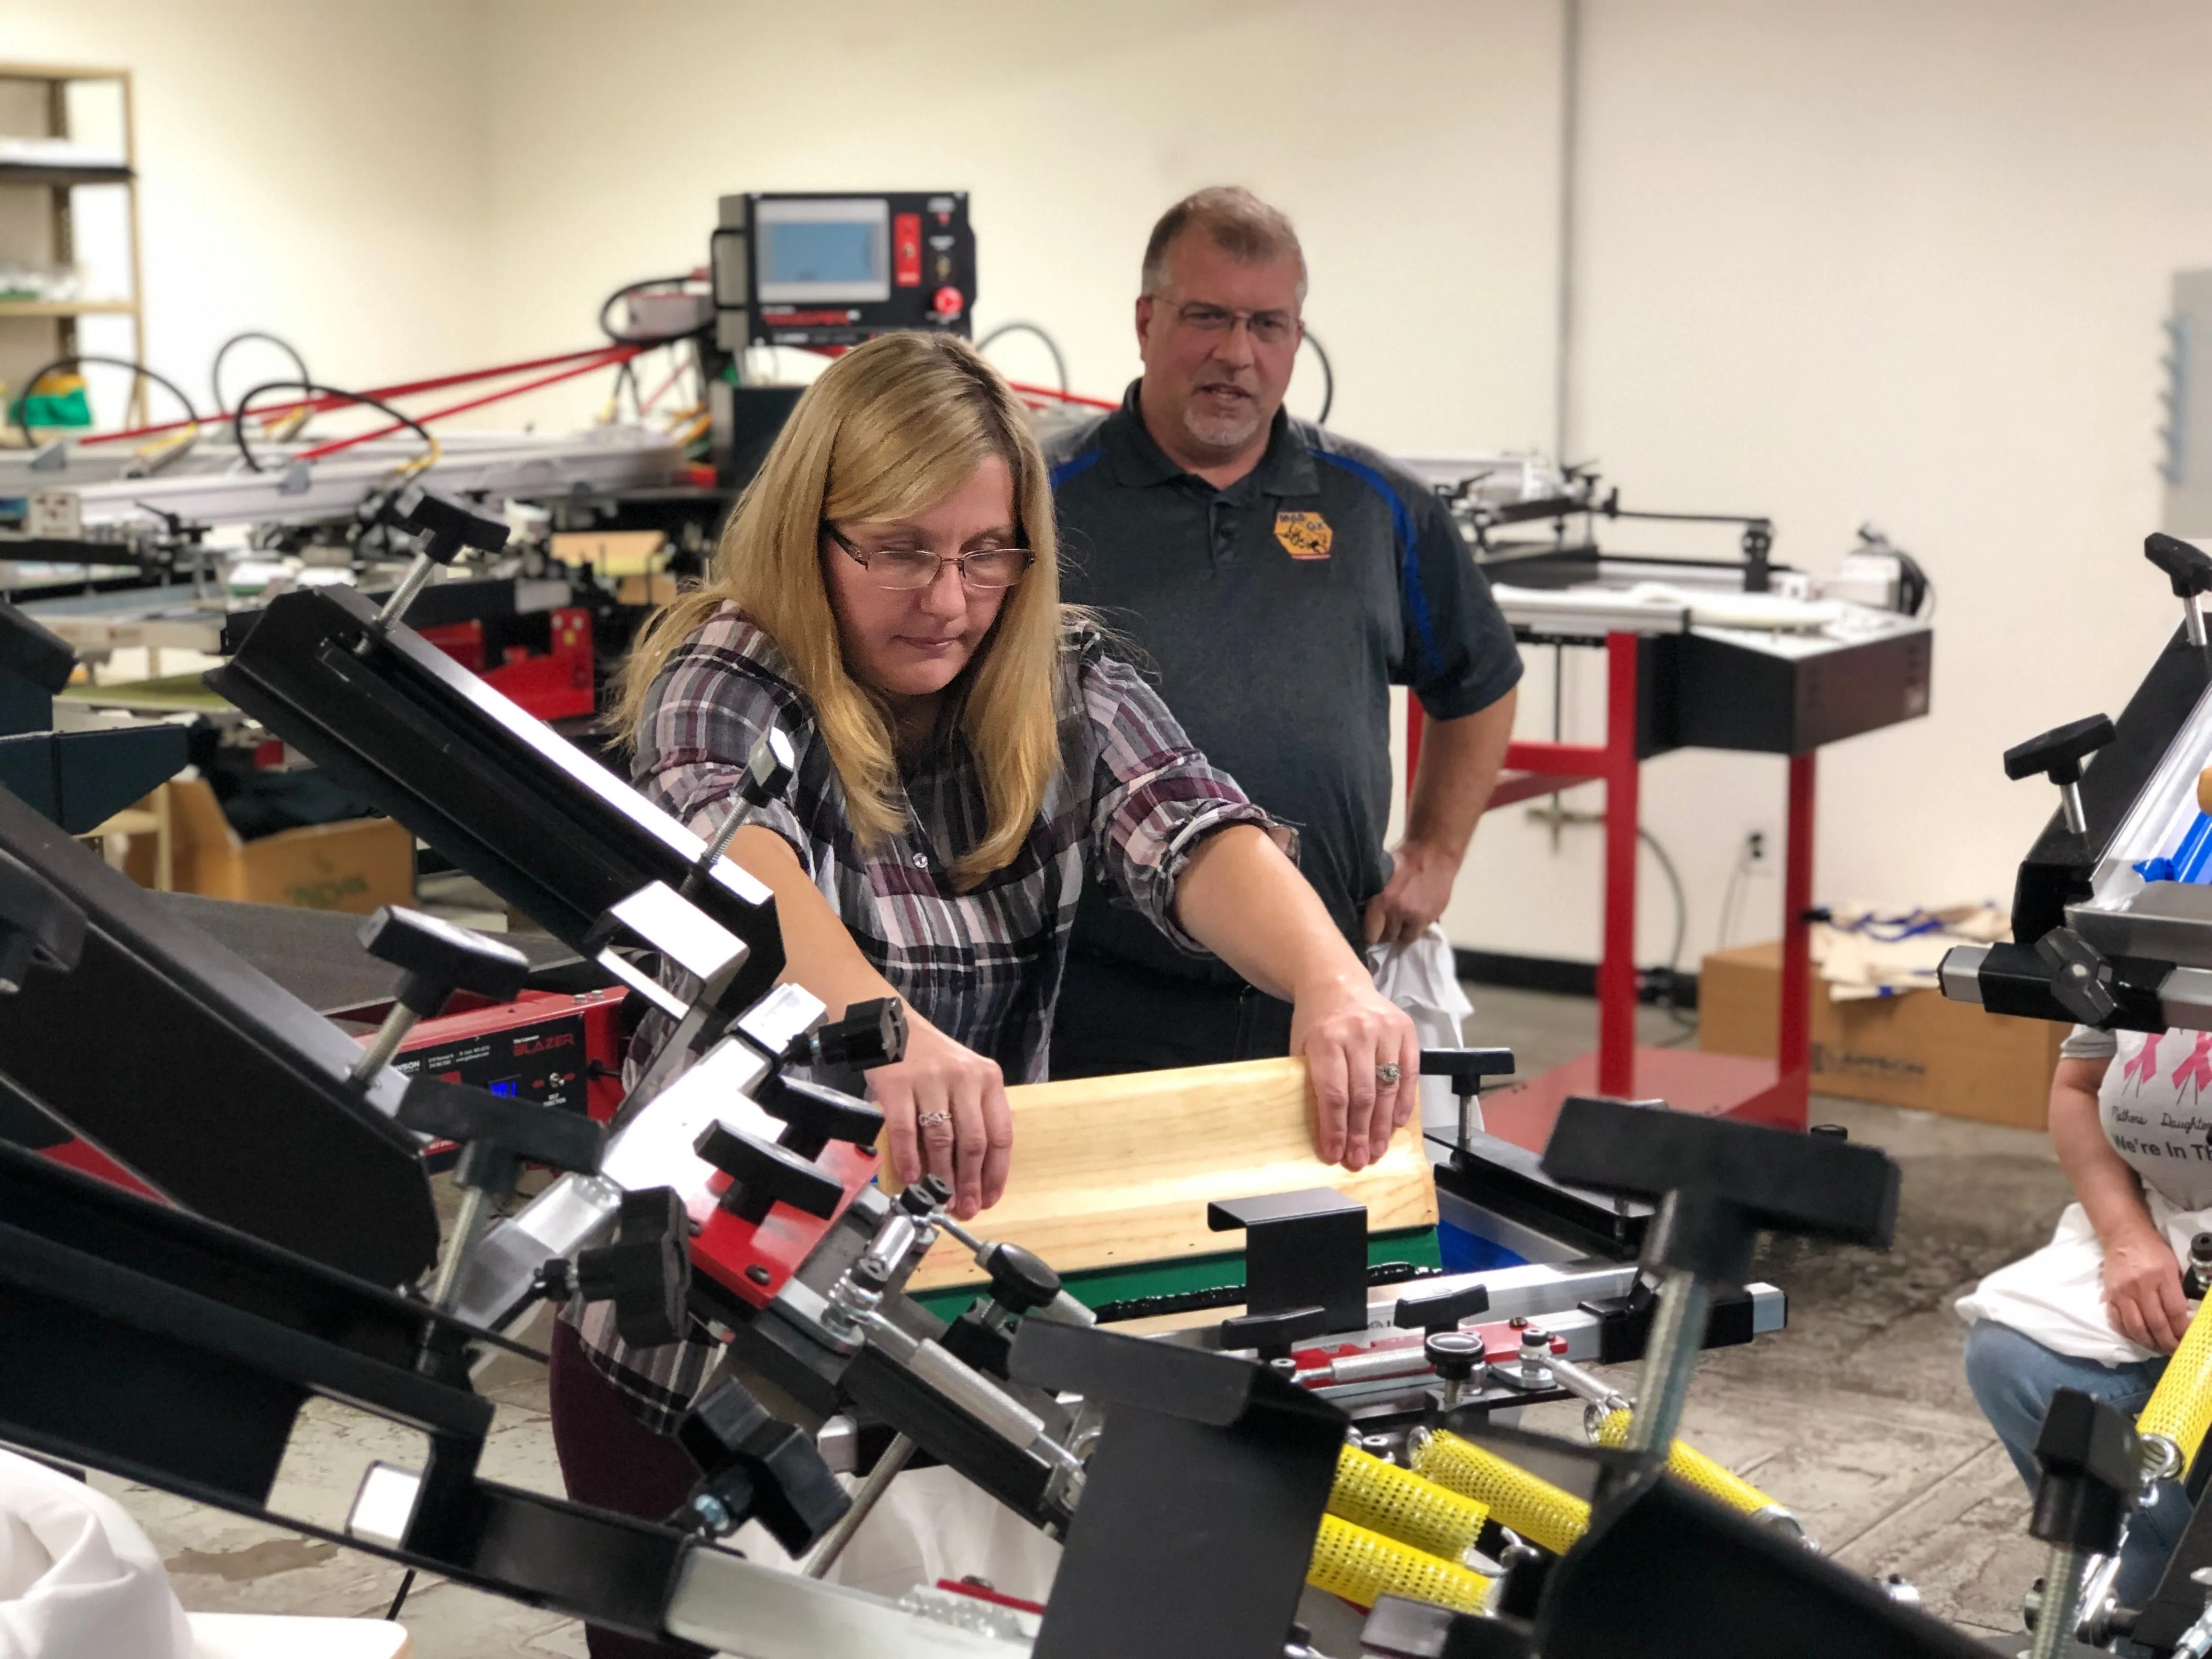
x=2186 y=566
x=1467 y=1067
x=871 y=1033
x=770 y=765
x=2081 y=978
x=813 y=1115
x=1020 y=1282
x=499 y=1134
x=1455 y=1356
x=1830 y=1131
x=1441 y=1310
x=926 y=1197
x=445 y=526
x=755 y=1467
x=2199 y=1279
x=2091 y=1470
x=438 y=958
x=2059 y=752
x=1272 y=1334
x=646 y=1272
x=762 y=1175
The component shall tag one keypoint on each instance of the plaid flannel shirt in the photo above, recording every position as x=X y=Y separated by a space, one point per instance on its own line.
x=1131 y=802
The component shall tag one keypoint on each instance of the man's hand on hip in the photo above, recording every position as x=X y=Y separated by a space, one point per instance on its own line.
x=1420 y=887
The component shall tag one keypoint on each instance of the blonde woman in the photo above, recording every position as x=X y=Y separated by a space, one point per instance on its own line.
x=888 y=594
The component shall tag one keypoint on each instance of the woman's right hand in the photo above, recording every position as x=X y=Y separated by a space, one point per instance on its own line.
x=946 y=1114
x=2142 y=1290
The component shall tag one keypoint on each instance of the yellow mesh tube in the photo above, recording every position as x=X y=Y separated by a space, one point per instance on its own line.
x=1385 y=1498
x=1692 y=1467
x=1362 y=1565
x=2180 y=1406
x=1535 y=1509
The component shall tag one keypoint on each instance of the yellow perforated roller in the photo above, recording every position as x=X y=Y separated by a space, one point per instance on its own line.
x=2181 y=1407
x=1692 y=1467
x=1398 y=1503
x=1535 y=1509
x=1362 y=1566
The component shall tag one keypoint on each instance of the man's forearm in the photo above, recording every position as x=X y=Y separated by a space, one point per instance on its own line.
x=1459 y=766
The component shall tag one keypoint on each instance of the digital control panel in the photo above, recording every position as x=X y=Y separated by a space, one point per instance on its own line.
x=839 y=269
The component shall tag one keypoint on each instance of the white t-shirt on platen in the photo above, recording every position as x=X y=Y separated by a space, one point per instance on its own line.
x=2155 y=1110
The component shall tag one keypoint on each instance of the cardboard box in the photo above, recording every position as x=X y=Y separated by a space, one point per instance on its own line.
x=1916 y=1049
x=354 y=865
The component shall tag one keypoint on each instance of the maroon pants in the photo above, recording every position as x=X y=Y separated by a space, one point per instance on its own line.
x=611 y=1461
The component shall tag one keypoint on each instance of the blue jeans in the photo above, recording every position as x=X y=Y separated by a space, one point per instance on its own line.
x=2014 y=1376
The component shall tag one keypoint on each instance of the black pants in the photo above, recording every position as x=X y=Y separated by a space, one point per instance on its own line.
x=1116 y=1019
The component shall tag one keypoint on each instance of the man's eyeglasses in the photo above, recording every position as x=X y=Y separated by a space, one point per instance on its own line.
x=904 y=569
x=1268 y=327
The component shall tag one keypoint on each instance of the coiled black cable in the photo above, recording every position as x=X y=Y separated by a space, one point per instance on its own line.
x=315 y=390
x=214 y=373
x=1327 y=378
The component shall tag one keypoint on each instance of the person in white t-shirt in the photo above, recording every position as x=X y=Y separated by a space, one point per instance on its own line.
x=2100 y=1307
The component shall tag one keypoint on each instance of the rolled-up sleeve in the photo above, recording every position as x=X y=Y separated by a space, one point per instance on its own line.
x=1155 y=798
x=702 y=718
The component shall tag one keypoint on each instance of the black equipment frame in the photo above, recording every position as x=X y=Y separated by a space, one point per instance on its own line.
x=518 y=807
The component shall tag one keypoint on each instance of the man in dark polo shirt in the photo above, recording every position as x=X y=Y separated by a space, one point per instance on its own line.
x=1280 y=580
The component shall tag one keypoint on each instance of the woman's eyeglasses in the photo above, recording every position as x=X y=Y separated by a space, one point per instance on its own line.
x=904 y=569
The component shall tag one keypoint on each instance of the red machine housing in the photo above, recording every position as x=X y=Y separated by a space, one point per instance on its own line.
x=549 y=677
x=755 y=1261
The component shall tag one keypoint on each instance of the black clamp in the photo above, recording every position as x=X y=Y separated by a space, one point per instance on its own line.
x=500 y=1133
x=770 y=765
x=1441 y=1310
x=813 y=1115
x=1301 y=1249
x=2081 y=978
x=444 y=531
x=437 y=959
x=1273 y=1333
x=646 y=1272
x=763 y=1176
x=872 y=1034
x=2189 y=571
x=754 y=1468
x=1466 y=1068
x=2058 y=755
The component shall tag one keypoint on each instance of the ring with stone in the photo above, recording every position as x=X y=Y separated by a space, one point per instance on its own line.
x=1387 y=1073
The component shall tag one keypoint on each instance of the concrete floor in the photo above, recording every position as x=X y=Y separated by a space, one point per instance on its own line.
x=1857 y=1417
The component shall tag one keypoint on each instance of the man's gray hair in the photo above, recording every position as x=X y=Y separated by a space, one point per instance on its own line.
x=1236 y=220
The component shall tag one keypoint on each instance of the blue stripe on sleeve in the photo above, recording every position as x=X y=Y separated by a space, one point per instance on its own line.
x=1402 y=524
x=1074 y=466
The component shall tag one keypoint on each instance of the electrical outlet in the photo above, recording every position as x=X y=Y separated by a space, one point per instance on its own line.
x=1754 y=846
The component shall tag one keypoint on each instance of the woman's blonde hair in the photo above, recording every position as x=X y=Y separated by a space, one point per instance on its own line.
x=887 y=430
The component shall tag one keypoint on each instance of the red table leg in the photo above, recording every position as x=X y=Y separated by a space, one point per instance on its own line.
x=1794 y=1048
x=1616 y=973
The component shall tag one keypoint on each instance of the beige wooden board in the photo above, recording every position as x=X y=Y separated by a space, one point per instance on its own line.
x=1117 y=1171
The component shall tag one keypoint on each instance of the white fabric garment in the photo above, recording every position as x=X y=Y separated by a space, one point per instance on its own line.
x=77 y=1577
x=1423 y=978
x=2153 y=1107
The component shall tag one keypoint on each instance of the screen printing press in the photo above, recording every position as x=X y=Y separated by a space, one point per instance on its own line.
x=1317 y=1407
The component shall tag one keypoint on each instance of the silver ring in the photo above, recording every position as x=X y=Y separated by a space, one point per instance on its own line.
x=1388 y=1073
x=922 y=1118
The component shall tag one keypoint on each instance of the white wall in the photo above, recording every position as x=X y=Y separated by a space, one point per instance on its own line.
x=1898 y=261
x=316 y=170
x=1409 y=139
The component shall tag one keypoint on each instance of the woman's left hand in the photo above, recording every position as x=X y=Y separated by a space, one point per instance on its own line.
x=1346 y=1031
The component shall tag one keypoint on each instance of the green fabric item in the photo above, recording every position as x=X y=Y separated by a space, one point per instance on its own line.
x=1191 y=1273
x=47 y=408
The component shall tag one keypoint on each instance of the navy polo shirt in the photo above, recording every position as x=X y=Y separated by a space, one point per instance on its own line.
x=1277 y=614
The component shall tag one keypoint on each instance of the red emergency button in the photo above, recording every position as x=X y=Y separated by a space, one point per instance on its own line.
x=947 y=302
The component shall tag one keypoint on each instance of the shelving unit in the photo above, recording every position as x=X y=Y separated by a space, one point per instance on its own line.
x=60 y=181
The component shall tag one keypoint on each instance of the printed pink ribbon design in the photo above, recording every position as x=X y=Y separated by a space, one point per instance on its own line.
x=2144 y=1066
x=2198 y=1068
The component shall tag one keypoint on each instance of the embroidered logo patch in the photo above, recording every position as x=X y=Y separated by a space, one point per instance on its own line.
x=1303 y=535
